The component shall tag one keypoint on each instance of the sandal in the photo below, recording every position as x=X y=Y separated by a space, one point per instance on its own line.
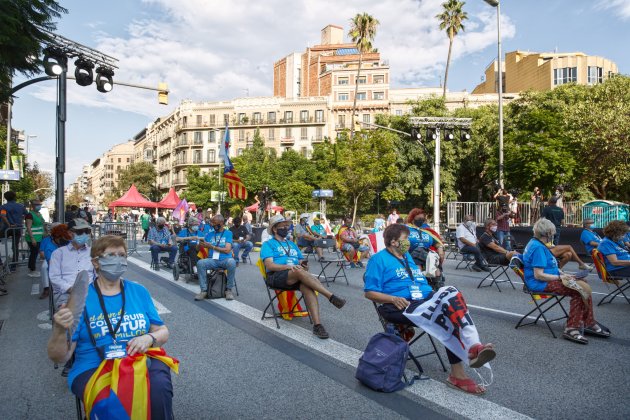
x=573 y=334
x=597 y=330
x=467 y=385
x=480 y=354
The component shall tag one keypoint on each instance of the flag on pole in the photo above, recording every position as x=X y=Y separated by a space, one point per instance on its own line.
x=235 y=187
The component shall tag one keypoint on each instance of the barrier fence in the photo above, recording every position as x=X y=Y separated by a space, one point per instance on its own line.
x=15 y=248
x=127 y=231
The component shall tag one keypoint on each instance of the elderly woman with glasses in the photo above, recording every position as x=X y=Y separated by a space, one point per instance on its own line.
x=119 y=321
x=542 y=274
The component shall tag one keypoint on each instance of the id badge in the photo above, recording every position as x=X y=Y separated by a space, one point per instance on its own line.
x=416 y=293
x=115 y=351
x=215 y=254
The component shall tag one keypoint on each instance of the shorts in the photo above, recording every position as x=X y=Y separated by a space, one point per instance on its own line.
x=279 y=280
x=497 y=259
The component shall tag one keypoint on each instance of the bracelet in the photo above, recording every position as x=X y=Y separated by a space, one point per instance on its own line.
x=153 y=338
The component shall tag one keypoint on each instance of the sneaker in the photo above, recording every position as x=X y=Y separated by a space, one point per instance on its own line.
x=45 y=293
x=33 y=274
x=322 y=259
x=360 y=264
x=65 y=371
x=588 y=267
x=337 y=301
x=320 y=331
x=201 y=296
x=353 y=265
x=229 y=295
x=244 y=260
x=237 y=263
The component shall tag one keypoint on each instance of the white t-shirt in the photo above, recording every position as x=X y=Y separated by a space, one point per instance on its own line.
x=468 y=234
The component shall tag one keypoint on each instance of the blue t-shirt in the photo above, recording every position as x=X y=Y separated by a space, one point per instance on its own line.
x=589 y=236
x=418 y=238
x=219 y=239
x=537 y=255
x=14 y=212
x=285 y=252
x=386 y=274
x=319 y=229
x=185 y=233
x=140 y=314
x=47 y=246
x=608 y=247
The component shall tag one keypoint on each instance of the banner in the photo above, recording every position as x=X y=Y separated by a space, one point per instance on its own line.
x=17 y=161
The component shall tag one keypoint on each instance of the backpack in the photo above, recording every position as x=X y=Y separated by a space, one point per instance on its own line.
x=216 y=284
x=382 y=365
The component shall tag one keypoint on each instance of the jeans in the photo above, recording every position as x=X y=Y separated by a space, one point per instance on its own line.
x=501 y=234
x=246 y=246
x=476 y=252
x=204 y=265
x=156 y=249
x=33 y=254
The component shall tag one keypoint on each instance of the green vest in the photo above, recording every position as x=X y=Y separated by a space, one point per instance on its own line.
x=37 y=228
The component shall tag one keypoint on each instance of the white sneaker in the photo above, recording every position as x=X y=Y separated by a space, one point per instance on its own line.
x=34 y=274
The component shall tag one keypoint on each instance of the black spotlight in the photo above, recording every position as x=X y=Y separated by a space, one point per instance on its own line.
x=415 y=134
x=83 y=72
x=449 y=136
x=55 y=62
x=104 y=81
x=465 y=136
x=431 y=134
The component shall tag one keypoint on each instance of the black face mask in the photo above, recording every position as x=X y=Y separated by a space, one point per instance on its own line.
x=282 y=232
x=418 y=222
x=160 y=226
x=218 y=227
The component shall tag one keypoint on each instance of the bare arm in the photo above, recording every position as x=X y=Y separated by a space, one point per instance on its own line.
x=378 y=297
x=467 y=242
x=612 y=258
x=272 y=266
x=539 y=274
x=60 y=348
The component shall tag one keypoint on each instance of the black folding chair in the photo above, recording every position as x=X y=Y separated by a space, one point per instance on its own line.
x=543 y=301
x=79 y=406
x=338 y=263
x=467 y=259
x=496 y=271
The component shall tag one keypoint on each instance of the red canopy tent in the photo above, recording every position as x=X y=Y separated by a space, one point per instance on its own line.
x=170 y=201
x=132 y=198
x=254 y=207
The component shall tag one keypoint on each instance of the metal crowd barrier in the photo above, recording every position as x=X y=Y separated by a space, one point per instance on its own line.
x=127 y=231
x=10 y=260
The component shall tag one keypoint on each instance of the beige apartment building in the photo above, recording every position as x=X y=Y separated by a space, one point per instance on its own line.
x=105 y=170
x=544 y=71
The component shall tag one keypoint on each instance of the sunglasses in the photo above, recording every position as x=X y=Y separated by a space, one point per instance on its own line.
x=82 y=231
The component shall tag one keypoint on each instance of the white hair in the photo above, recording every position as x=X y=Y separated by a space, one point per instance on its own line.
x=544 y=227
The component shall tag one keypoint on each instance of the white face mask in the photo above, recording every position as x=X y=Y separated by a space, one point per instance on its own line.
x=470 y=224
x=493 y=229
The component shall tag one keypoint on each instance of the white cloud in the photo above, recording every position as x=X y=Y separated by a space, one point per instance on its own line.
x=620 y=7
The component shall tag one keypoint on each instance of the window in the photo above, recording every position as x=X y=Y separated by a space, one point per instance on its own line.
x=366 y=118
x=288 y=132
x=304 y=133
x=378 y=78
x=241 y=117
x=226 y=118
x=379 y=96
x=212 y=136
x=272 y=135
x=288 y=116
x=361 y=96
x=256 y=118
x=199 y=120
x=303 y=116
x=564 y=75
x=239 y=151
x=198 y=138
x=271 y=117
x=304 y=151
x=399 y=112
x=342 y=121
x=342 y=81
x=241 y=135
x=119 y=160
x=595 y=75
x=211 y=155
x=197 y=157
x=318 y=133
x=319 y=115
x=343 y=96
x=361 y=80
x=212 y=119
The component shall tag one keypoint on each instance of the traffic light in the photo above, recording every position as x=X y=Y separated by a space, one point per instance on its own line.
x=431 y=135
x=449 y=136
x=416 y=134
x=162 y=93
x=465 y=136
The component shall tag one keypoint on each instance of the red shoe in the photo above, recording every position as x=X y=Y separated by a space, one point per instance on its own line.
x=480 y=354
x=467 y=385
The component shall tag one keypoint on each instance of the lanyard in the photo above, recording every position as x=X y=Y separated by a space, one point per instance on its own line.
x=112 y=331
x=287 y=251
x=405 y=263
x=216 y=243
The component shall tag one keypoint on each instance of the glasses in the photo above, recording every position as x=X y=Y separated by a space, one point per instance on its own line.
x=114 y=254
x=82 y=231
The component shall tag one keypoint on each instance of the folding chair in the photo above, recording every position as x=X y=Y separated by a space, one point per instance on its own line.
x=450 y=246
x=496 y=271
x=620 y=284
x=277 y=293
x=340 y=262
x=467 y=259
x=549 y=300
x=79 y=406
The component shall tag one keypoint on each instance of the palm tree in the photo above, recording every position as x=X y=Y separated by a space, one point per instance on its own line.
x=451 y=19
x=362 y=33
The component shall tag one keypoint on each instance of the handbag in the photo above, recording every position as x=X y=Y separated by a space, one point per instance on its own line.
x=216 y=284
x=432 y=264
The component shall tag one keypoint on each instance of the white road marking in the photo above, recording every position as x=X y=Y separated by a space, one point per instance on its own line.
x=44 y=322
x=465 y=405
x=161 y=309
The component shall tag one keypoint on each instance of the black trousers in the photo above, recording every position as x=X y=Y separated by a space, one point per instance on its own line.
x=476 y=252
x=15 y=236
x=32 y=256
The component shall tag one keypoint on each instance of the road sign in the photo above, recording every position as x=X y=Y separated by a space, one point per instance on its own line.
x=7 y=175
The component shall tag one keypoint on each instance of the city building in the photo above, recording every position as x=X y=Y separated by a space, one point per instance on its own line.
x=544 y=71
x=104 y=172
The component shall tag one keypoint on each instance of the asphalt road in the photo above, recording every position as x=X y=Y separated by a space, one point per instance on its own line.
x=233 y=366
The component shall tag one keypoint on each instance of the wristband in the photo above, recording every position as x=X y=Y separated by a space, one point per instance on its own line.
x=153 y=338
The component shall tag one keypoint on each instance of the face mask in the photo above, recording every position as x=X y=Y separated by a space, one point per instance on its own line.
x=493 y=229
x=218 y=227
x=160 y=226
x=38 y=208
x=403 y=246
x=591 y=226
x=470 y=224
x=81 y=239
x=194 y=228
x=112 y=266
x=418 y=222
x=282 y=232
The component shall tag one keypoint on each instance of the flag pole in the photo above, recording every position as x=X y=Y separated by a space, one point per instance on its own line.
x=220 y=186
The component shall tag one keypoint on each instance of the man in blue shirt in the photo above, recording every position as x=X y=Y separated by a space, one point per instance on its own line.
x=219 y=245
x=589 y=237
x=160 y=240
x=189 y=237
x=12 y=215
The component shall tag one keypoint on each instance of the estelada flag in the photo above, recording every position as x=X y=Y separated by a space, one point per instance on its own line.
x=235 y=187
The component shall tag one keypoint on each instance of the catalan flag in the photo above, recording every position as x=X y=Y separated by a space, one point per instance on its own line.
x=236 y=188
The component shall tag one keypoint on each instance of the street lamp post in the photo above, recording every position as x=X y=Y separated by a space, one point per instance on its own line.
x=499 y=78
x=28 y=137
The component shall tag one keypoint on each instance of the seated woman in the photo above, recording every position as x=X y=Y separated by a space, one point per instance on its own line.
x=542 y=274
x=422 y=239
x=394 y=280
x=350 y=245
x=136 y=326
x=616 y=255
x=188 y=238
x=59 y=236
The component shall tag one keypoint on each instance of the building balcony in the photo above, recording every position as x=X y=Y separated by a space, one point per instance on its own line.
x=164 y=168
x=281 y=121
x=182 y=143
x=197 y=143
x=315 y=140
x=164 y=185
x=182 y=162
x=287 y=140
x=164 y=152
x=341 y=126
x=179 y=182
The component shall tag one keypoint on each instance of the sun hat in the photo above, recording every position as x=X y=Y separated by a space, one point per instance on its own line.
x=278 y=218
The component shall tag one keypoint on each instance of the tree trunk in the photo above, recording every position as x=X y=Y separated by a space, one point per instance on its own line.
x=356 y=89
x=448 y=63
x=354 y=208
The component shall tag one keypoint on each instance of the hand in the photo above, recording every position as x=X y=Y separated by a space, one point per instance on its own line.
x=295 y=267
x=399 y=302
x=139 y=344
x=63 y=318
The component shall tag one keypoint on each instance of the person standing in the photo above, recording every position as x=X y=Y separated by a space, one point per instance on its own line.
x=145 y=222
x=502 y=217
x=34 y=222
x=12 y=215
x=555 y=215
x=392 y=218
x=537 y=202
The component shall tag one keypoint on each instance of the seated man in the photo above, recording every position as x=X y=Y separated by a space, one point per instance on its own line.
x=469 y=244
x=161 y=240
x=490 y=246
x=318 y=229
x=189 y=237
x=286 y=270
x=219 y=245
x=617 y=257
x=350 y=245
x=240 y=240
x=306 y=237
x=589 y=237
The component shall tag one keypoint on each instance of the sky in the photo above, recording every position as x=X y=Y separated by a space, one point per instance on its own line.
x=209 y=50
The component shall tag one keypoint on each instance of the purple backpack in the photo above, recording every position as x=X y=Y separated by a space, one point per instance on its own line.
x=382 y=365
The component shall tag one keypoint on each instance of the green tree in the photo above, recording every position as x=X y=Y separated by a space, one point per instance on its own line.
x=143 y=175
x=292 y=179
x=362 y=32
x=255 y=165
x=22 y=26
x=199 y=187
x=452 y=21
